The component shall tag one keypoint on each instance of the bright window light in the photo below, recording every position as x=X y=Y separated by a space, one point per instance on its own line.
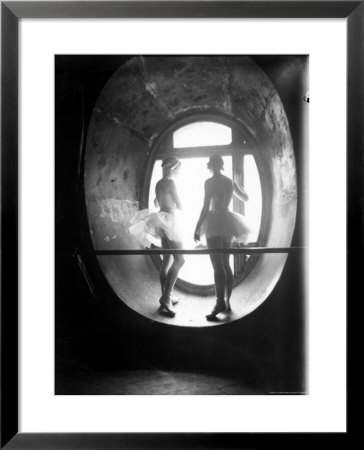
x=190 y=186
x=202 y=134
x=253 y=207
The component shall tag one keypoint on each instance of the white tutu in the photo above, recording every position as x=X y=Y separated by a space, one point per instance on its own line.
x=228 y=225
x=148 y=228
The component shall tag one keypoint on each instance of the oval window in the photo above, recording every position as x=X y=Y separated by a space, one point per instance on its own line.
x=133 y=128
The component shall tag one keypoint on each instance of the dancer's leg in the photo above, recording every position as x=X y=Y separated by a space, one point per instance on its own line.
x=172 y=274
x=219 y=278
x=219 y=270
x=165 y=302
x=171 y=277
x=166 y=262
x=229 y=274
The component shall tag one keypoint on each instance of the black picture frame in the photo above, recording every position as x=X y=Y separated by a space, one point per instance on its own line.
x=11 y=12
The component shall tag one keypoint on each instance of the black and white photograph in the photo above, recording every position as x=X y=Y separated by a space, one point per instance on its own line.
x=181 y=234
x=181 y=203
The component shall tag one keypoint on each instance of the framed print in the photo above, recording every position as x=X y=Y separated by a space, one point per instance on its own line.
x=152 y=168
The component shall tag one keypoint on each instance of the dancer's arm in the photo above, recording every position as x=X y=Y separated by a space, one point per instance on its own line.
x=157 y=191
x=204 y=211
x=238 y=190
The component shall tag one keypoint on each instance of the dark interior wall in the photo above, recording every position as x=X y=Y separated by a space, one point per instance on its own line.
x=266 y=347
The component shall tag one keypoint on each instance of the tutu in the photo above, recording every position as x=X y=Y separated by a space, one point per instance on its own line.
x=148 y=228
x=228 y=225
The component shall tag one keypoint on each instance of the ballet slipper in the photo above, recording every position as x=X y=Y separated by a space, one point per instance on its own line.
x=211 y=318
x=166 y=303
x=174 y=300
x=228 y=306
x=218 y=308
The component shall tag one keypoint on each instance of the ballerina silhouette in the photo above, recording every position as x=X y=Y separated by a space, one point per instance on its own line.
x=165 y=225
x=220 y=226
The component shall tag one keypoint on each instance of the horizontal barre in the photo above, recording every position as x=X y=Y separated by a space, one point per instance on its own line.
x=199 y=251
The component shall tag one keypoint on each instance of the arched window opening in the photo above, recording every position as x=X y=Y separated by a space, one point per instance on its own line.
x=202 y=134
x=193 y=144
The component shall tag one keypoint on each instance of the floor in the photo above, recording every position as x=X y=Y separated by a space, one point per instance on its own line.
x=77 y=379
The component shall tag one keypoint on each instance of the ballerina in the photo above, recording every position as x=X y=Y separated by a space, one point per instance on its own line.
x=220 y=226
x=166 y=226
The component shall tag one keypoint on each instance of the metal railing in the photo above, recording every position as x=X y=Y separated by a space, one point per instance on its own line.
x=199 y=251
